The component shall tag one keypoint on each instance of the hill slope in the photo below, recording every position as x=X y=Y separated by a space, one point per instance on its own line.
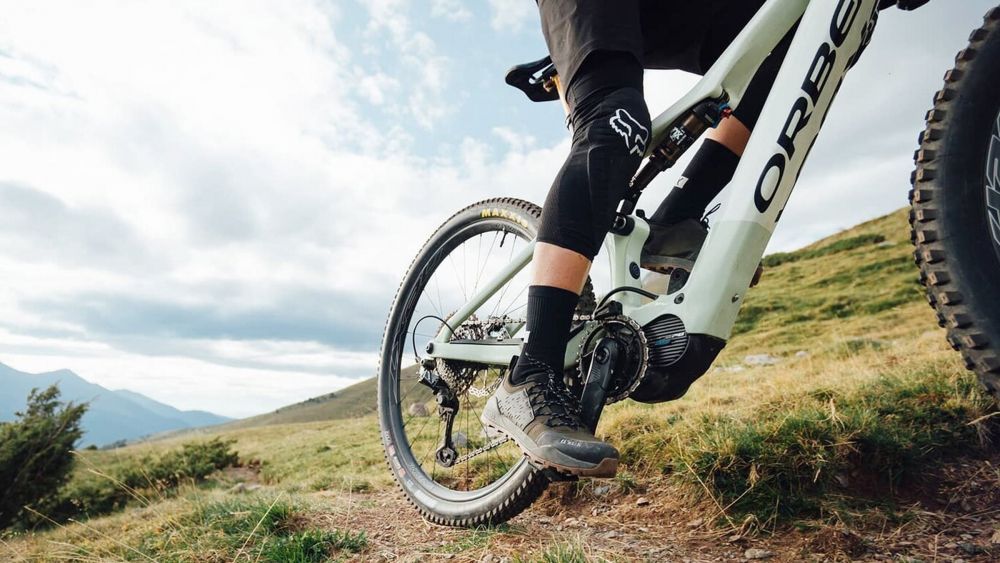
x=112 y=416
x=865 y=440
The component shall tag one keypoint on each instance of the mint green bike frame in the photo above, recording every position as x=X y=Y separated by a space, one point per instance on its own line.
x=829 y=38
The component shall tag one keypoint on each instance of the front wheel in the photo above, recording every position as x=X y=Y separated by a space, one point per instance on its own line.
x=482 y=478
x=955 y=215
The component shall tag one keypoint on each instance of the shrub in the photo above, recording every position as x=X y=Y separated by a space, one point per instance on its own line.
x=148 y=475
x=36 y=453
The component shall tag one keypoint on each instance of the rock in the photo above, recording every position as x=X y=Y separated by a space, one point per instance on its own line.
x=755 y=554
x=602 y=490
x=238 y=488
x=460 y=440
x=802 y=354
x=643 y=501
x=760 y=360
x=417 y=409
x=252 y=487
x=697 y=522
x=970 y=548
x=610 y=534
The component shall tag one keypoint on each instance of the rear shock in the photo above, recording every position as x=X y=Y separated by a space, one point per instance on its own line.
x=680 y=136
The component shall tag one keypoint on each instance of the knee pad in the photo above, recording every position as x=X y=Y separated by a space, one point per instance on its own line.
x=611 y=135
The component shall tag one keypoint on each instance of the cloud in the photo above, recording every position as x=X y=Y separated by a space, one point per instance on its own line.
x=511 y=15
x=452 y=10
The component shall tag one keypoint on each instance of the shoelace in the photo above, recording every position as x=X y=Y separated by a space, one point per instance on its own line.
x=551 y=398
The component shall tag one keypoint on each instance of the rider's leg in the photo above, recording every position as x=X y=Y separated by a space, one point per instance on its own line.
x=676 y=232
x=610 y=130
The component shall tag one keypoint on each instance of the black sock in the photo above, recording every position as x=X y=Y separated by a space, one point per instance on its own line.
x=709 y=172
x=550 y=315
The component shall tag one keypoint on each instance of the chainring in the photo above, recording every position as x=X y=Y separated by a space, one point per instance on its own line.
x=632 y=362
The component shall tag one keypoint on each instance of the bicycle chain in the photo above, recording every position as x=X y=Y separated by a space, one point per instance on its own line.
x=482 y=449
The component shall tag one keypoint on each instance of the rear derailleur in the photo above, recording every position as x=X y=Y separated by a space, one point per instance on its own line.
x=446 y=454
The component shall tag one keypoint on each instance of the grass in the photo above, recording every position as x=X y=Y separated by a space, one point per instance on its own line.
x=876 y=400
x=201 y=526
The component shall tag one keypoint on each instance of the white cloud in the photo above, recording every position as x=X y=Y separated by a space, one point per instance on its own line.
x=512 y=15
x=452 y=10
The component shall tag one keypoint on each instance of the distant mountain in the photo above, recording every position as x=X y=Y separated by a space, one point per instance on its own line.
x=112 y=416
x=350 y=402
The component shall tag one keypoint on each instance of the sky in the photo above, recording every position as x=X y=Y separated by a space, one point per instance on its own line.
x=212 y=203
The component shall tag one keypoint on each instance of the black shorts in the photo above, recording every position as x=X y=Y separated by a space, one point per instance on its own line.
x=662 y=34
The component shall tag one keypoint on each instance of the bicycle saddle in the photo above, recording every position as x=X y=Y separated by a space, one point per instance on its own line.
x=534 y=79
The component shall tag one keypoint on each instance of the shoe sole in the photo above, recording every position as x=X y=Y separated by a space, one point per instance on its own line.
x=607 y=468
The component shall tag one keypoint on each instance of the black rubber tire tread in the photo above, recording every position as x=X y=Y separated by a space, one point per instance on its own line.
x=964 y=304
x=535 y=482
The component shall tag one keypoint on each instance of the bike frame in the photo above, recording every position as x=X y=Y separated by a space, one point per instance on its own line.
x=827 y=42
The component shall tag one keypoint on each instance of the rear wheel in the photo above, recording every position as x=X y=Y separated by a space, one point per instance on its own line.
x=484 y=479
x=955 y=215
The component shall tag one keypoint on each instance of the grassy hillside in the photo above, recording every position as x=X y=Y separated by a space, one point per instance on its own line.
x=864 y=401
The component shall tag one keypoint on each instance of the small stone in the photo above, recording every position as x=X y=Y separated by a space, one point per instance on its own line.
x=417 y=409
x=970 y=548
x=610 y=534
x=802 y=354
x=755 y=554
x=238 y=488
x=966 y=536
x=643 y=501
x=602 y=490
x=697 y=522
x=760 y=360
x=252 y=487
x=950 y=545
x=734 y=538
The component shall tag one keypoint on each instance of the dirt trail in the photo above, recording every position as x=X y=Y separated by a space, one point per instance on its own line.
x=953 y=516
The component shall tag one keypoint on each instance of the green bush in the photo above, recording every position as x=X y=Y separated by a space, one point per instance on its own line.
x=36 y=454
x=144 y=477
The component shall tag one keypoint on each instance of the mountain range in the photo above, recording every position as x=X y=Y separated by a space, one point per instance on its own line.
x=112 y=416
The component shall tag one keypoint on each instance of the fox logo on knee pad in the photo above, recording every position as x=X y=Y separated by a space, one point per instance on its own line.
x=636 y=136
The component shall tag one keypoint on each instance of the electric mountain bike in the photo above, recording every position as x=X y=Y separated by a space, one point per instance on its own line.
x=458 y=317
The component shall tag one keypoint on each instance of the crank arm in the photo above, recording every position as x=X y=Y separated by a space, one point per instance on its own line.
x=599 y=378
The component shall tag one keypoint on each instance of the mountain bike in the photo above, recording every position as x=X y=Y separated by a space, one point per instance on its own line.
x=460 y=307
